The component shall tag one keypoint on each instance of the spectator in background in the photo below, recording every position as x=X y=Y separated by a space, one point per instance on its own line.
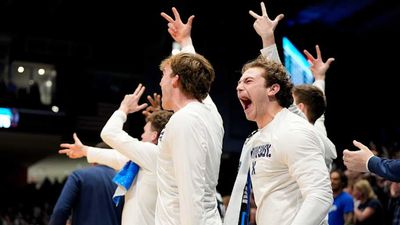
x=394 y=204
x=342 y=210
x=368 y=210
x=352 y=178
x=87 y=198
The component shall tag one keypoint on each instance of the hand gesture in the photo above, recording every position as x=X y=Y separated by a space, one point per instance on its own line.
x=178 y=30
x=357 y=160
x=317 y=66
x=264 y=26
x=130 y=102
x=155 y=104
x=74 y=151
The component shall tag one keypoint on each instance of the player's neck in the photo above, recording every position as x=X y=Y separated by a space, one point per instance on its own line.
x=181 y=100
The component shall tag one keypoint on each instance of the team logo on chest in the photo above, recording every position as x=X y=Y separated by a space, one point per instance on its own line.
x=262 y=151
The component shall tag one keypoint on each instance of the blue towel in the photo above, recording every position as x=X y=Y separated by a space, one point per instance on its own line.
x=124 y=179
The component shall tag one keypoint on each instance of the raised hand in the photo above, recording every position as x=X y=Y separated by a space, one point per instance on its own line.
x=130 y=103
x=264 y=26
x=317 y=65
x=178 y=30
x=73 y=151
x=155 y=104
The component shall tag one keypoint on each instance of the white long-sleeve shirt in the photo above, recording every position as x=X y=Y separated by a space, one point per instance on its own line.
x=329 y=149
x=188 y=166
x=140 y=199
x=290 y=181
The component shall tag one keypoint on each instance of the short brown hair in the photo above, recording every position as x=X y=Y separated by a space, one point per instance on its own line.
x=196 y=73
x=313 y=98
x=159 y=119
x=274 y=73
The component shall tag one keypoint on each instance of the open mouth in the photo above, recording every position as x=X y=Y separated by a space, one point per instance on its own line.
x=246 y=103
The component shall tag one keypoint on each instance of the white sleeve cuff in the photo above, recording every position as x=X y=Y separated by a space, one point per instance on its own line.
x=271 y=53
x=188 y=49
x=366 y=163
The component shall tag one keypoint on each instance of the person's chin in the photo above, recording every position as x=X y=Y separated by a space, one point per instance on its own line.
x=249 y=116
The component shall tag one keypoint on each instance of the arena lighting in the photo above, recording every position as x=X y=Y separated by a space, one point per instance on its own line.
x=9 y=117
x=296 y=63
x=24 y=75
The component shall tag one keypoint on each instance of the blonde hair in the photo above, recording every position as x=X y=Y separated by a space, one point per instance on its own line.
x=365 y=188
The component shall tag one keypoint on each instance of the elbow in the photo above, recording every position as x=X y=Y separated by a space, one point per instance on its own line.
x=107 y=136
x=325 y=199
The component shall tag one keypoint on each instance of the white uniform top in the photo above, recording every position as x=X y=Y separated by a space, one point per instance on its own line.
x=140 y=199
x=290 y=181
x=329 y=149
x=188 y=166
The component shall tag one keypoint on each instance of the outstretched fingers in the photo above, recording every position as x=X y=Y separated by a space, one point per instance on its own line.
x=176 y=14
x=76 y=139
x=190 y=20
x=254 y=15
x=139 y=90
x=167 y=17
x=263 y=9
x=279 y=18
x=309 y=56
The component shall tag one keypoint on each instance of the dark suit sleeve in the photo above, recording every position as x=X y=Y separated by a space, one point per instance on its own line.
x=386 y=168
x=66 y=201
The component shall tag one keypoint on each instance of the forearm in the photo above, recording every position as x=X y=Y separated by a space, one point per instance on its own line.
x=348 y=219
x=108 y=157
x=358 y=215
x=187 y=43
x=142 y=153
x=320 y=84
x=313 y=210
x=271 y=52
x=189 y=48
x=307 y=166
x=386 y=168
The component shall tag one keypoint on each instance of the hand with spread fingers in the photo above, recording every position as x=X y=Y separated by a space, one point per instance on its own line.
x=318 y=66
x=130 y=103
x=155 y=104
x=75 y=150
x=264 y=26
x=178 y=30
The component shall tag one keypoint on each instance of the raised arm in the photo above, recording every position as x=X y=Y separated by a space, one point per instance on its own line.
x=179 y=31
x=142 y=153
x=318 y=67
x=265 y=28
x=108 y=157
